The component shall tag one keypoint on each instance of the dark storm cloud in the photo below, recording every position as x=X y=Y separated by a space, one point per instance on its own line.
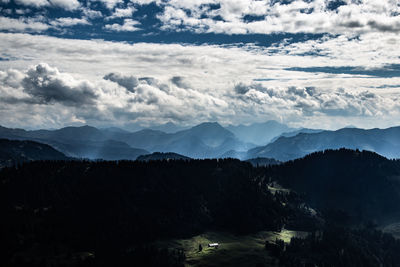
x=241 y=88
x=387 y=71
x=383 y=27
x=180 y=82
x=128 y=82
x=47 y=85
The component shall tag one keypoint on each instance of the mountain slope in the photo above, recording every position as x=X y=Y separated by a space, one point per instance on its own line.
x=168 y=127
x=382 y=141
x=13 y=151
x=80 y=142
x=346 y=184
x=110 y=208
x=259 y=133
x=206 y=140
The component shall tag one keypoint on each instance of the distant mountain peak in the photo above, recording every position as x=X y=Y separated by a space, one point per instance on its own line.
x=208 y=124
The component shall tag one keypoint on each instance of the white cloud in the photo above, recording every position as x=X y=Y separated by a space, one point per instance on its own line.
x=66 y=4
x=39 y=23
x=34 y=3
x=129 y=25
x=110 y=4
x=92 y=14
x=356 y=17
x=122 y=12
x=142 y=2
x=22 y=11
x=68 y=22
x=23 y=24
x=144 y=87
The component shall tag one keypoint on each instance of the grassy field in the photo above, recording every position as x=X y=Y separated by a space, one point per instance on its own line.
x=245 y=250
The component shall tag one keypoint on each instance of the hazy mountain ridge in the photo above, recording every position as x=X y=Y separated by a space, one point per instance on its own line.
x=259 y=133
x=385 y=142
x=79 y=142
x=206 y=140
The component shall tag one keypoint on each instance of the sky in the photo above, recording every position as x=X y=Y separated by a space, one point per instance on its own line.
x=129 y=63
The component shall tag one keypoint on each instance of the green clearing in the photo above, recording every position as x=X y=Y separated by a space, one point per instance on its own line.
x=244 y=250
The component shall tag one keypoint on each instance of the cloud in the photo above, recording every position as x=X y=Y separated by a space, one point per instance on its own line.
x=23 y=24
x=127 y=26
x=66 y=4
x=298 y=16
x=180 y=82
x=48 y=85
x=128 y=82
x=92 y=14
x=110 y=4
x=39 y=23
x=43 y=88
x=314 y=102
x=34 y=3
x=122 y=12
x=68 y=22
x=195 y=83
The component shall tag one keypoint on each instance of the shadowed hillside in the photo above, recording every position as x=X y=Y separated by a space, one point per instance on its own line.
x=105 y=208
x=14 y=152
x=354 y=185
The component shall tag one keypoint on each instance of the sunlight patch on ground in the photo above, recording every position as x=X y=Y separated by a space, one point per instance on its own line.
x=244 y=250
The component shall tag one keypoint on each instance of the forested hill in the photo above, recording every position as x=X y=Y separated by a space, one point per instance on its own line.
x=107 y=207
x=354 y=185
x=162 y=156
x=53 y=212
x=14 y=152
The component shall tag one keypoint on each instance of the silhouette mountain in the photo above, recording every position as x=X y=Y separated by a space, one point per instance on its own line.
x=347 y=185
x=80 y=142
x=13 y=152
x=296 y=132
x=385 y=142
x=110 y=209
x=259 y=133
x=206 y=140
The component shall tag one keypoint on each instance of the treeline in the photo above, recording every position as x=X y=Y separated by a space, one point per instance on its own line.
x=346 y=186
x=108 y=208
x=84 y=213
x=337 y=246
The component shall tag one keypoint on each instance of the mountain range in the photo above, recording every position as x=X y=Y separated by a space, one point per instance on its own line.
x=210 y=140
x=206 y=140
x=385 y=142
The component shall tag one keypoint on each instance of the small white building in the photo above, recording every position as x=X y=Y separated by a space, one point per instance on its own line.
x=213 y=245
